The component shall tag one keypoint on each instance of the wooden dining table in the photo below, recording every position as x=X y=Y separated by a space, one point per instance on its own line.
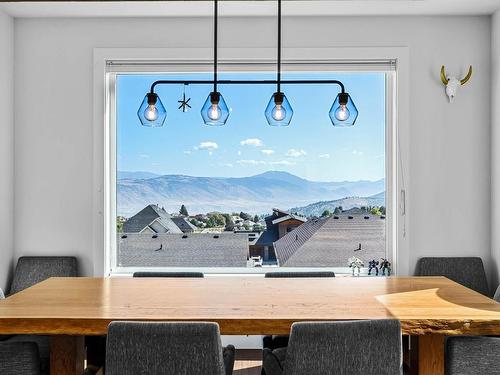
x=68 y=309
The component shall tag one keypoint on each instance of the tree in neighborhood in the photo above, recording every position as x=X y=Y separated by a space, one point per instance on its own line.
x=216 y=220
x=259 y=227
x=211 y=223
x=338 y=210
x=245 y=216
x=229 y=224
x=195 y=222
x=183 y=211
x=256 y=219
x=326 y=213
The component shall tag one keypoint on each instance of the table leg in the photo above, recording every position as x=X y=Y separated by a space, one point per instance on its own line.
x=410 y=355
x=431 y=355
x=67 y=355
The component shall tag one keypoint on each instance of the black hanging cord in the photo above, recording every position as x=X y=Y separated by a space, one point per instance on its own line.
x=276 y=82
x=216 y=15
x=278 y=78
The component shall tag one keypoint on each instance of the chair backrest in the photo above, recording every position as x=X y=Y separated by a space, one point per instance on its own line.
x=168 y=274
x=19 y=358
x=32 y=270
x=468 y=271
x=349 y=347
x=472 y=355
x=137 y=348
x=300 y=274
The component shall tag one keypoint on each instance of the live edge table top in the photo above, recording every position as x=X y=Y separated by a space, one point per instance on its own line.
x=248 y=305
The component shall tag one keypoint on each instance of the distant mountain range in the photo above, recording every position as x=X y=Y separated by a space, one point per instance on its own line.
x=255 y=194
x=136 y=175
x=316 y=209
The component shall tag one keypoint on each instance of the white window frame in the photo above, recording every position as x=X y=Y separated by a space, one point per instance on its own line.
x=237 y=59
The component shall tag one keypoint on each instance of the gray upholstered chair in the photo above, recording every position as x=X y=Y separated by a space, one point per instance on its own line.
x=279 y=341
x=96 y=345
x=32 y=270
x=468 y=271
x=349 y=347
x=168 y=274
x=19 y=358
x=300 y=274
x=167 y=348
x=472 y=355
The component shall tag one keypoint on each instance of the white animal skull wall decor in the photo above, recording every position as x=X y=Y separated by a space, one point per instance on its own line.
x=452 y=83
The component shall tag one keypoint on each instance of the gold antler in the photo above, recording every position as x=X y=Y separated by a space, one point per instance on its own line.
x=467 y=77
x=443 y=76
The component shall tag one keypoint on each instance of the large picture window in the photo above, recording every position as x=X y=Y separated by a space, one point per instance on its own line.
x=246 y=196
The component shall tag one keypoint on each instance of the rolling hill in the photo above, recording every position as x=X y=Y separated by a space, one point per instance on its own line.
x=316 y=209
x=255 y=194
x=121 y=175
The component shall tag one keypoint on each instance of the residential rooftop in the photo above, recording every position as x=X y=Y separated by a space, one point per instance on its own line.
x=183 y=224
x=330 y=242
x=182 y=250
x=151 y=219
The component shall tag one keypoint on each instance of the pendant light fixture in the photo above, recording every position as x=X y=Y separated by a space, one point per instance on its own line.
x=279 y=112
x=343 y=111
x=152 y=113
x=215 y=111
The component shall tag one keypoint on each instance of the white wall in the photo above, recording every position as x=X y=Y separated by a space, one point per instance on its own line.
x=449 y=163
x=6 y=147
x=495 y=147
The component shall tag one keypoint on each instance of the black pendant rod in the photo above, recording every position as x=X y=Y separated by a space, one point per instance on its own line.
x=278 y=70
x=216 y=15
x=278 y=82
x=249 y=82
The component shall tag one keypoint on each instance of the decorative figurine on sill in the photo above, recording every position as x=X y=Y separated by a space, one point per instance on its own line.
x=355 y=263
x=184 y=104
x=373 y=264
x=385 y=265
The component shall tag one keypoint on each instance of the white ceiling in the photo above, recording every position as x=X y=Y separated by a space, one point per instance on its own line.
x=250 y=8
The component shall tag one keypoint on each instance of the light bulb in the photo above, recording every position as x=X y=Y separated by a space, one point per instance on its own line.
x=342 y=113
x=214 y=112
x=279 y=113
x=151 y=113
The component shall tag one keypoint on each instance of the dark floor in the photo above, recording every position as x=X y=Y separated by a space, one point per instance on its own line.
x=249 y=361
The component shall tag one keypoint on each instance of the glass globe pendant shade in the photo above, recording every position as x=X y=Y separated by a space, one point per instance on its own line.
x=152 y=113
x=215 y=111
x=279 y=112
x=343 y=111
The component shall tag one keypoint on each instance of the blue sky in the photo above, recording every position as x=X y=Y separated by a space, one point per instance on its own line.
x=310 y=147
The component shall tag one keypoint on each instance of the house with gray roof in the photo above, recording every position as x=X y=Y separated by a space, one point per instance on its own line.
x=331 y=241
x=277 y=225
x=151 y=219
x=183 y=224
x=182 y=250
